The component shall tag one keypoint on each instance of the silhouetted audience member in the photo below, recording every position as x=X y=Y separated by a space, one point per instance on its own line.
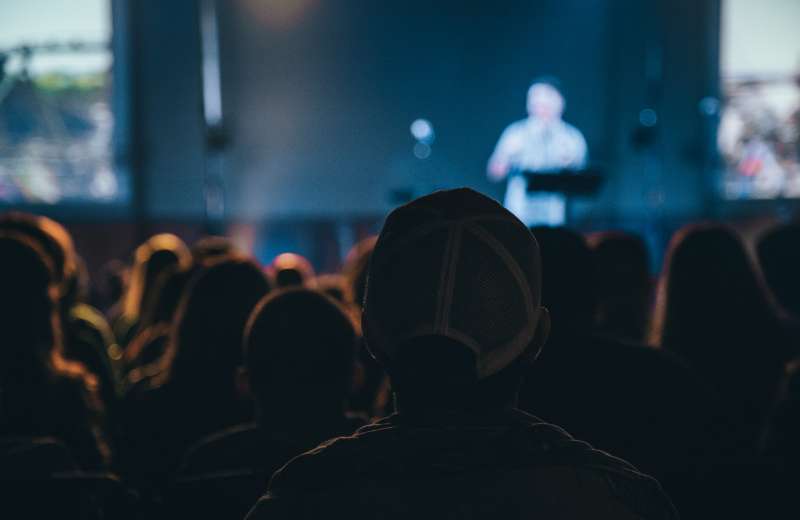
x=42 y=394
x=779 y=255
x=299 y=355
x=569 y=287
x=191 y=391
x=452 y=310
x=624 y=286
x=53 y=240
x=150 y=260
x=86 y=336
x=630 y=400
x=714 y=311
x=151 y=340
x=152 y=337
x=371 y=394
x=291 y=270
x=89 y=338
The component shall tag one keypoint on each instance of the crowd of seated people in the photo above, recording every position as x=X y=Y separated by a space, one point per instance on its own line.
x=459 y=365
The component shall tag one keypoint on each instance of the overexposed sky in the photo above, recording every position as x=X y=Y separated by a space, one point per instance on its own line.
x=43 y=21
x=760 y=37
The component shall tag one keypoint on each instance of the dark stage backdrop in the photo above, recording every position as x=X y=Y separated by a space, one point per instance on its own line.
x=319 y=97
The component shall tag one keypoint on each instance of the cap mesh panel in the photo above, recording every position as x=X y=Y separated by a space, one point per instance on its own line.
x=487 y=304
x=516 y=240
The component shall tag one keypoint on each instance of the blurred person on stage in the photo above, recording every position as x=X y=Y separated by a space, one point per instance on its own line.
x=543 y=143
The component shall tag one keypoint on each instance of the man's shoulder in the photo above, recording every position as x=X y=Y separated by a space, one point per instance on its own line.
x=221 y=451
x=334 y=459
x=517 y=127
x=527 y=465
x=390 y=455
x=393 y=445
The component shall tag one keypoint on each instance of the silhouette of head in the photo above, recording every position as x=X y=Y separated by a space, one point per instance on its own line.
x=150 y=260
x=714 y=311
x=453 y=291
x=52 y=239
x=568 y=287
x=299 y=351
x=710 y=291
x=291 y=270
x=209 y=326
x=27 y=303
x=779 y=255
x=31 y=347
x=623 y=285
x=545 y=101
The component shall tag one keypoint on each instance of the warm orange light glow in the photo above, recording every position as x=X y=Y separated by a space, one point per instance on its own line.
x=279 y=14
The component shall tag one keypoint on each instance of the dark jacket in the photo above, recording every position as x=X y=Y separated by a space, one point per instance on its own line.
x=502 y=465
x=264 y=451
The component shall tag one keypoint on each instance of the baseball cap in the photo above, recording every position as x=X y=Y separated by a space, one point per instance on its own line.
x=459 y=265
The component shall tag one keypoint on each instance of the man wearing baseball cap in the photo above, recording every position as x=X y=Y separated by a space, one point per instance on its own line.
x=452 y=310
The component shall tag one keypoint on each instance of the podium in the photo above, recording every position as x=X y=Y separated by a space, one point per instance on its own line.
x=576 y=183
x=571 y=184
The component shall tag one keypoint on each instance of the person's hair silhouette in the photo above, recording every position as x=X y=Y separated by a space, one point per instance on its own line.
x=208 y=330
x=299 y=352
x=41 y=392
x=714 y=310
x=291 y=270
x=150 y=260
x=191 y=391
x=569 y=289
x=85 y=336
x=53 y=240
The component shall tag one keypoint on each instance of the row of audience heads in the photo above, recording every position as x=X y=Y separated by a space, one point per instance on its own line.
x=710 y=289
x=204 y=296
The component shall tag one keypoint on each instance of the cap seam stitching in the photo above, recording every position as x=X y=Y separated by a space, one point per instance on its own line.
x=446 y=262
x=447 y=293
